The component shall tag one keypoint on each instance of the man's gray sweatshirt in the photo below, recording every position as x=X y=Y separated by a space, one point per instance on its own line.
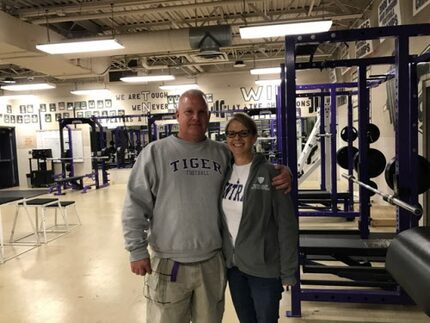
x=172 y=200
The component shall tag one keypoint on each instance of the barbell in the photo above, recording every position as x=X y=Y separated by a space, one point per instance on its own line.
x=416 y=210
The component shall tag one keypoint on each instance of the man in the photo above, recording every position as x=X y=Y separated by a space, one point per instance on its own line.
x=172 y=205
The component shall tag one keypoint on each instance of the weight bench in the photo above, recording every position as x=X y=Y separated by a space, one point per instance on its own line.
x=76 y=182
x=311 y=198
x=41 y=204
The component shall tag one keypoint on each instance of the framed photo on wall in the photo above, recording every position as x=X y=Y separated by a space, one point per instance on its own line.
x=66 y=115
x=69 y=105
x=27 y=118
x=29 y=108
x=9 y=108
x=34 y=118
x=61 y=105
x=108 y=103
x=22 y=109
x=19 y=119
x=42 y=107
x=52 y=107
x=6 y=118
x=91 y=104
x=48 y=118
x=100 y=104
x=12 y=118
x=57 y=116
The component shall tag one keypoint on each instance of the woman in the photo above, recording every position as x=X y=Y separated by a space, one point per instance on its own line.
x=260 y=229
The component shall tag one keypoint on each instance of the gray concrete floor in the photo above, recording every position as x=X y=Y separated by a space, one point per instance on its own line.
x=84 y=276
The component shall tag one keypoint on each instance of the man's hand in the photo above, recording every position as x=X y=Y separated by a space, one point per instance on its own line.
x=141 y=267
x=283 y=180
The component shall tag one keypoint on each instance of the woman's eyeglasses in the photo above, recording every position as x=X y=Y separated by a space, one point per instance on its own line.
x=233 y=134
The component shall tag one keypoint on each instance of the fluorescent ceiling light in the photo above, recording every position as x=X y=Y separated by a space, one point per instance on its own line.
x=28 y=87
x=147 y=78
x=268 y=82
x=91 y=92
x=179 y=87
x=268 y=70
x=9 y=80
x=80 y=46
x=297 y=28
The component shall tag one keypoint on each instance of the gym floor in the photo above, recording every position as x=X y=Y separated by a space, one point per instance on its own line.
x=84 y=276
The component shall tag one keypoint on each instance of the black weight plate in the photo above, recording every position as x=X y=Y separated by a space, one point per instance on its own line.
x=373 y=133
x=423 y=177
x=389 y=172
x=344 y=134
x=342 y=156
x=375 y=162
x=374 y=185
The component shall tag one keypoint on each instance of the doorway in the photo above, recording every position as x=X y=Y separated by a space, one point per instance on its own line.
x=8 y=159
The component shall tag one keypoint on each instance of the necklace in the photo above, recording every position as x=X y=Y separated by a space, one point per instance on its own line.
x=236 y=174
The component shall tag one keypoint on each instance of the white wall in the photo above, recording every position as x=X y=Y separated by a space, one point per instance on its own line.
x=237 y=90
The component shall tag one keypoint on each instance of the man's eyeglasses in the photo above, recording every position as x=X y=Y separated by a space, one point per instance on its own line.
x=233 y=134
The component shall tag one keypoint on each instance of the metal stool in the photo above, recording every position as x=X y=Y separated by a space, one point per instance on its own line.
x=64 y=205
x=37 y=204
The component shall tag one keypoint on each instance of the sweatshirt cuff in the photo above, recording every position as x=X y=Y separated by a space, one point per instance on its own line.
x=291 y=281
x=139 y=254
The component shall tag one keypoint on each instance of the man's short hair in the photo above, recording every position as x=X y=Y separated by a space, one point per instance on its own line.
x=193 y=92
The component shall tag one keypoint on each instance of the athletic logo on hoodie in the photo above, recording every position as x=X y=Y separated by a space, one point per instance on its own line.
x=196 y=166
x=260 y=185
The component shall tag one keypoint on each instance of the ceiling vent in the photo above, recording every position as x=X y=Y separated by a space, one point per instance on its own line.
x=214 y=57
x=209 y=39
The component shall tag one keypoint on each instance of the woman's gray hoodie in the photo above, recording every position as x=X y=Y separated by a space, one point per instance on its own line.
x=266 y=243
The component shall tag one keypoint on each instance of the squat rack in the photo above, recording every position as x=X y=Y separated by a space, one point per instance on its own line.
x=406 y=138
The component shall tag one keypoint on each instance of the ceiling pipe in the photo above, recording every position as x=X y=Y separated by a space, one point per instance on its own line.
x=124 y=13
